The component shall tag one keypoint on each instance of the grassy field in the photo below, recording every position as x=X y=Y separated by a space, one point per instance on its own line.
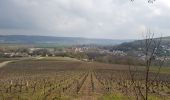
x=59 y=59
x=165 y=70
x=8 y=59
x=63 y=78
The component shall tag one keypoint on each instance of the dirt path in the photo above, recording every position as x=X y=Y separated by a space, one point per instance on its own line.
x=38 y=58
x=86 y=90
x=90 y=89
x=98 y=87
x=4 y=63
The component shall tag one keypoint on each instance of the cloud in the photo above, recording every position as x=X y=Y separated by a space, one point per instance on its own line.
x=84 y=18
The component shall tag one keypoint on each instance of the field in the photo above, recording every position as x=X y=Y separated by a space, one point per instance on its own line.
x=70 y=79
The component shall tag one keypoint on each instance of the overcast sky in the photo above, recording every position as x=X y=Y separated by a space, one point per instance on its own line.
x=113 y=19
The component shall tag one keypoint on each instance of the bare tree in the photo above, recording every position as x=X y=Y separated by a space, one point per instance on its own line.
x=151 y=48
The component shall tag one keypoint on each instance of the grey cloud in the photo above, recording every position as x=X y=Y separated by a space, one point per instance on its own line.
x=83 y=18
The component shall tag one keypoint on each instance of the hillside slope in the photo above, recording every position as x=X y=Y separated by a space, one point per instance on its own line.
x=136 y=46
x=22 y=39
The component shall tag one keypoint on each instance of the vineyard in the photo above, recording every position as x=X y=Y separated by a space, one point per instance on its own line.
x=45 y=79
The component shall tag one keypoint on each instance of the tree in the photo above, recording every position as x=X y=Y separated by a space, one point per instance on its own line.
x=151 y=48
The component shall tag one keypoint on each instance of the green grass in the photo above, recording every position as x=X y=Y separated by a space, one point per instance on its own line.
x=8 y=59
x=152 y=97
x=163 y=70
x=120 y=96
x=59 y=59
x=42 y=59
x=115 y=96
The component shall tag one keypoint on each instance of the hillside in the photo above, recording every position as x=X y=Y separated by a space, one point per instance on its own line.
x=135 y=46
x=22 y=39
